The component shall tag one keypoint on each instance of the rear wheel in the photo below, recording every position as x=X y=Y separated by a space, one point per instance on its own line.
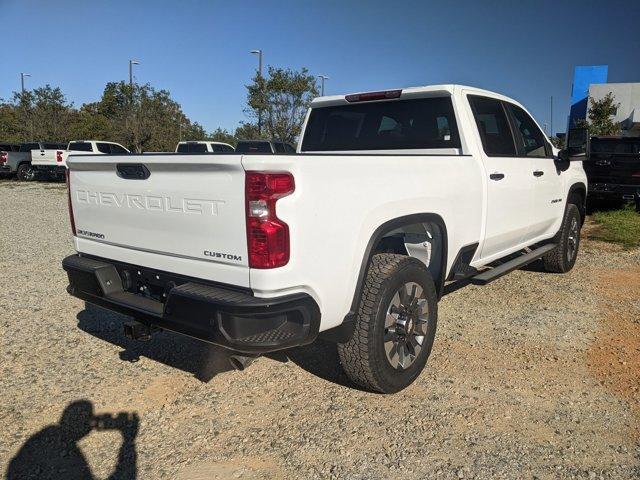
x=26 y=172
x=563 y=258
x=395 y=325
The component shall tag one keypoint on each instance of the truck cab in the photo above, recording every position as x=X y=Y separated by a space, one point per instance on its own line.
x=613 y=169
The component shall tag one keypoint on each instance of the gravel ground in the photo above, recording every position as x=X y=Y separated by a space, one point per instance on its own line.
x=534 y=376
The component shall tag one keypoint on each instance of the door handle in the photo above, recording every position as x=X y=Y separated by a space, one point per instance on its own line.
x=538 y=173
x=496 y=176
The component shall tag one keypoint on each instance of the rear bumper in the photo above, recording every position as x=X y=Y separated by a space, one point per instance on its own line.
x=51 y=169
x=233 y=319
x=614 y=191
x=5 y=169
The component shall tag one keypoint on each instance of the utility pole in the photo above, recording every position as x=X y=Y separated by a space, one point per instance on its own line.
x=131 y=64
x=551 y=116
x=322 y=79
x=259 y=53
x=22 y=75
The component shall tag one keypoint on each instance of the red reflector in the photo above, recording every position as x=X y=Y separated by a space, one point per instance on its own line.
x=71 y=219
x=267 y=235
x=368 y=97
x=59 y=156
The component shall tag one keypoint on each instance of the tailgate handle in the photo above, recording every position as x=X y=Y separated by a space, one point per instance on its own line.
x=132 y=171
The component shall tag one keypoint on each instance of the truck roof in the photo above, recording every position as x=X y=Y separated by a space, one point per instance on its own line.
x=408 y=92
x=89 y=141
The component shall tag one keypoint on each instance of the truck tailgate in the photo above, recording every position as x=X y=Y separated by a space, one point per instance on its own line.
x=44 y=157
x=190 y=207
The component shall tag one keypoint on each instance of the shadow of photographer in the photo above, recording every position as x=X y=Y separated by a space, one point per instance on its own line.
x=203 y=360
x=53 y=452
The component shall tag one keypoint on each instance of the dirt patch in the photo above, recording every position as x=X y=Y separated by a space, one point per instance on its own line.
x=615 y=355
x=248 y=468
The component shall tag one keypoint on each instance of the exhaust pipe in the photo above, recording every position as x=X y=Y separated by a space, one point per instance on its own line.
x=241 y=362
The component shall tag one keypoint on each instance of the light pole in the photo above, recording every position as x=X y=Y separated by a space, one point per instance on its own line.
x=259 y=53
x=131 y=64
x=322 y=79
x=551 y=116
x=22 y=75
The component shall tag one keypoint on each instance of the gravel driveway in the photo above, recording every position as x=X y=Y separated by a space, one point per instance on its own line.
x=534 y=376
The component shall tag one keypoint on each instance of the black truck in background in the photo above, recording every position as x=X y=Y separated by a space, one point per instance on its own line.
x=613 y=170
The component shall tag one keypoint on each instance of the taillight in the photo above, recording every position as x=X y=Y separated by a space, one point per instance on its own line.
x=267 y=235
x=71 y=220
x=4 y=156
x=370 y=96
x=59 y=156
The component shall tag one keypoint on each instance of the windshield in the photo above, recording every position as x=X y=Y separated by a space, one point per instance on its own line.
x=603 y=145
x=421 y=123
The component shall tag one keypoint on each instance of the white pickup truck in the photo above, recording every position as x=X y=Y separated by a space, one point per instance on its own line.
x=392 y=199
x=52 y=162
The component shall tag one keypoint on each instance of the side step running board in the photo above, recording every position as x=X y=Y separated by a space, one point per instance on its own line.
x=492 y=274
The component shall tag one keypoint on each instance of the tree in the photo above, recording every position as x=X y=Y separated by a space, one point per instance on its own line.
x=600 y=116
x=10 y=125
x=41 y=114
x=283 y=98
x=557 y=142
x=222 y=135
x=141 y=118
x=247 y=131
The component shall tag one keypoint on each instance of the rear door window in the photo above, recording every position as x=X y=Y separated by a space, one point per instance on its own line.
x=278 y=147
x=80 y=146
x=103 y=147
x=493 y=126
x=197 y=147
x=182 y=148
x=115 y=148
x=423 y=123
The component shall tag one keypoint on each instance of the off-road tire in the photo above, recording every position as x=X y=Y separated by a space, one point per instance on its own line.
x=559 y=260
x=26 y=172
x=363 y=357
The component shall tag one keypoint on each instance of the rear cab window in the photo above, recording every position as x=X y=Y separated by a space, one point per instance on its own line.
x=79 y=147
x=407 y=124
x=27 y=147
x=253 y=147
x=192 y=147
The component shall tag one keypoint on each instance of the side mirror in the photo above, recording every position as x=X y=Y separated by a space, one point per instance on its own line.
x=578 y=145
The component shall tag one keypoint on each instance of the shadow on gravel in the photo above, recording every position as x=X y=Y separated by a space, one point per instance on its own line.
x=320 y=359
x=53 y=452
x=201 y=359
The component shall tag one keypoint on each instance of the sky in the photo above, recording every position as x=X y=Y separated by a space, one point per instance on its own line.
x=199 y=50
